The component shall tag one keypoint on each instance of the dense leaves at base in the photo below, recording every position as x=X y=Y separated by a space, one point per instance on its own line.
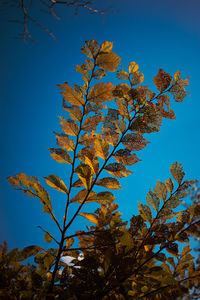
x=112 y=259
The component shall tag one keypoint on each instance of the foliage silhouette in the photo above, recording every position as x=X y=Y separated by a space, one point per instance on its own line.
x=112 y=259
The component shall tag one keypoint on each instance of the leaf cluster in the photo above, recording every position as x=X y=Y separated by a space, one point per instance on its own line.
x=103 y=130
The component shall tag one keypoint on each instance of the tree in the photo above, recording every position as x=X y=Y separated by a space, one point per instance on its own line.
x=24 y=13
x=111 y=259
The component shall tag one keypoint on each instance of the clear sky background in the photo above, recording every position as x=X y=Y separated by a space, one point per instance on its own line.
x=155 y=34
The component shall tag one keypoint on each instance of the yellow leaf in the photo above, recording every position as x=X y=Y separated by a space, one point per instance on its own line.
x=84 y=173
x=106 y=46
x=91 y=217
x=177 y=172
x=74 y=111
x=57 y=183
x=162 y=80
x=64 y=141
x=133 y=141
x=69 y=126
x=133 y=67
x=80 y=196
x=125 y=157
x=117 y=170
x=101 y=92
x=47 y=237
x=91 y=123
x=108 y=61
x=71 y=95
x=137 y=78
x=90 y=49
x=60 y=155
x=110 y=183
x=102 y=148
x=170 y=185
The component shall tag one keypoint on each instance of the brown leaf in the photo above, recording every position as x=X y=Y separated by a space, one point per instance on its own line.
x=57 y=183
x=71 y=95
x=101 y=92
x=65 y=142
x=176 y=170
x=91 y=123
x=110 y=183
x=85 y=175
x=108 y=61
x=60 y=155
x=133 y=141
x=74 y=111
x=117 y=170
x=125 y=157
x=102 y=148
x=162 y=80
x=69 y=126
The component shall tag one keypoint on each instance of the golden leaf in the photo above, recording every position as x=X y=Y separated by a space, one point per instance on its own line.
x=162 y=80
x=117 y=170
x=106 y=46
x=90 y=49
x=91 y=123
x=71 y=95
x=125 y=157
x=65 y=142
x=88 y=156
x=137 y=78
x=101 y=92
x=84 y=173
x=170 y=185
x=69 y=126
x=57 y=183
x=80 y=197
x=176 y=170
x=110 y=183
x=153 y=200
x=108 y=61
x=47 y=237
x=102 y=148
x=133 y=67
x=145 y=212
x=74 y=111
x=60 y=155
x=91 y=217
x=134 y=142
x=121 y=74
x=160 y=190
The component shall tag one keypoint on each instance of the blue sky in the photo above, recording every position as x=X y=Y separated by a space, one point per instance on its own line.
x=155 y=34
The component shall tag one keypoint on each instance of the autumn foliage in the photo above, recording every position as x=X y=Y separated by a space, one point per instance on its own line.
x=103 y=128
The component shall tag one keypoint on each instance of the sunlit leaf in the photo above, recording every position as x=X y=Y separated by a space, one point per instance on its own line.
x=84 y=173
x=101 y=92
x=69 y=126
x=162 y=80
x=90 y=49
x=133 y=141
x=108 y=61
x=145 y=212
x=121 y=74
x=106 y=47
x=57 y=183
x=80 y=196
x=153 y=200
x=137 y=78
x=160 y=190
x=110 y=183
x=102 y=148
x=47 y=237
x=91 y=123
x=71 y=95
x=91 y=217
x=125 y=157
x=170 y=185
x=133 y=67
x=117 y=170
x=65 y=142
x=176 y=170
x=60 y=155
x=74 y=111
